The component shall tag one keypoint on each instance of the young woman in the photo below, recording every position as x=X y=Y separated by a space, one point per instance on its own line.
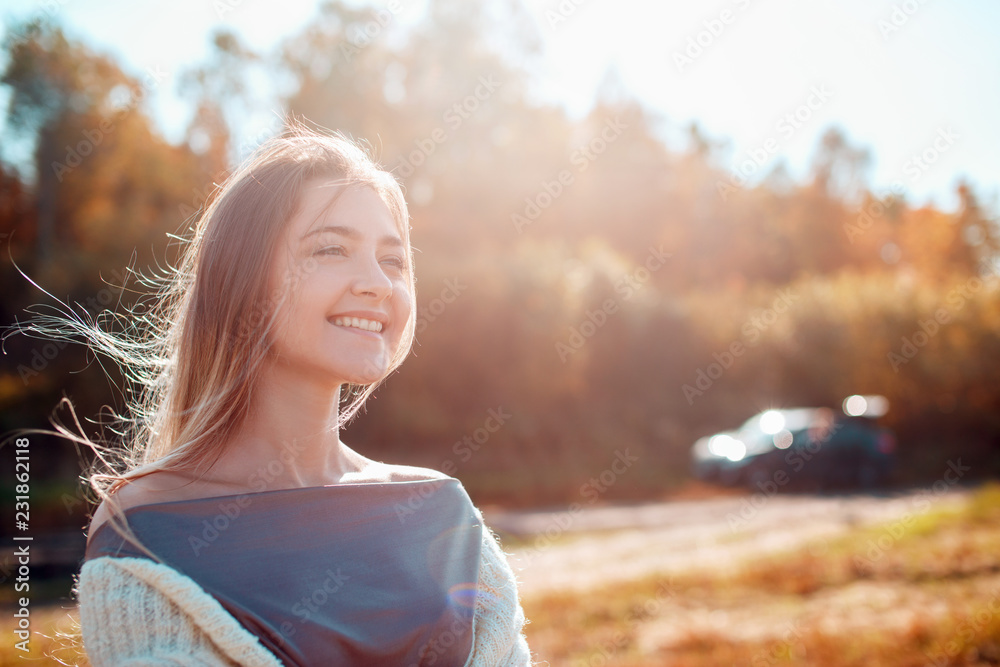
x=239 y=528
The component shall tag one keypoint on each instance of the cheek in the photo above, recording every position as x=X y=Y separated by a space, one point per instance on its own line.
x=405 y=305
x=284 y=328
x=297 y=313
x=288 y=273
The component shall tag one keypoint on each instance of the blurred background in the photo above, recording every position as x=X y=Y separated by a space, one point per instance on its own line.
x=644 y=233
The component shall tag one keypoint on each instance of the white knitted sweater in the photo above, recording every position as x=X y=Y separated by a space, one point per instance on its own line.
x=135 y=612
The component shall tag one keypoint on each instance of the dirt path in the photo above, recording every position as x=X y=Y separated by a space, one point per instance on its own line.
x=600 y=545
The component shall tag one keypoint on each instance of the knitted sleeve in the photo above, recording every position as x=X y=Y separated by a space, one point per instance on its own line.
x=498 y=639
x=138 y=613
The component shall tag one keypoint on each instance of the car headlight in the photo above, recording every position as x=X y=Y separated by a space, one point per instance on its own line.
x=727 y=447
x=865 y=406
x=771 y=422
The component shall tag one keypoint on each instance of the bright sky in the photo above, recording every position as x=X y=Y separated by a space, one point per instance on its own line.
x=905 y=78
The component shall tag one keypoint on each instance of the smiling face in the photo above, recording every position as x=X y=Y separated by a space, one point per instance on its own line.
x=344 y=268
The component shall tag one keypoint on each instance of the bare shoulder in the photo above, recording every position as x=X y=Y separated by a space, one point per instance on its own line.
x=394 y=472
x=156 y=487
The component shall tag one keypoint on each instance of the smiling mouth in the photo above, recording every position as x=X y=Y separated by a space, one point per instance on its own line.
x=358 y=323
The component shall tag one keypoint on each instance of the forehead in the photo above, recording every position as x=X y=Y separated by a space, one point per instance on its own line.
x=325 y=202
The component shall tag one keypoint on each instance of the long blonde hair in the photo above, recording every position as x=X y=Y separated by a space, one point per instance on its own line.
x=198 y=353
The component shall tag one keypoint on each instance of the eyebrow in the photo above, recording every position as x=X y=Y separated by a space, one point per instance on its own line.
x=351 y=233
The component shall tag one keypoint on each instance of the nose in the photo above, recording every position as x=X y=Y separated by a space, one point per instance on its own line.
x=371 y=280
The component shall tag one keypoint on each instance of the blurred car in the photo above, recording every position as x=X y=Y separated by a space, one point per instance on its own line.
x=802 y=448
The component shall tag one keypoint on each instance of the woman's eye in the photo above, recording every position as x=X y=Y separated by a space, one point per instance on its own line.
x=396 y=262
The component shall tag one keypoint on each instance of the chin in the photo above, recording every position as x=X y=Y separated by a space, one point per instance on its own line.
x=364 y=382
x=369 y=376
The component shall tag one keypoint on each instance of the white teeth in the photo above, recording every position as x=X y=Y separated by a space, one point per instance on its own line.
x=358 y=323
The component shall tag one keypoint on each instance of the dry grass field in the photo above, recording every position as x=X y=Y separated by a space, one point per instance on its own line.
x=909 y=593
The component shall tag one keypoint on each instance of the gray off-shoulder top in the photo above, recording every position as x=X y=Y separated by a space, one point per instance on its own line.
x=350 y=574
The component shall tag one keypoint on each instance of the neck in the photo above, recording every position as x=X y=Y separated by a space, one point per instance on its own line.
x=291 y=437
